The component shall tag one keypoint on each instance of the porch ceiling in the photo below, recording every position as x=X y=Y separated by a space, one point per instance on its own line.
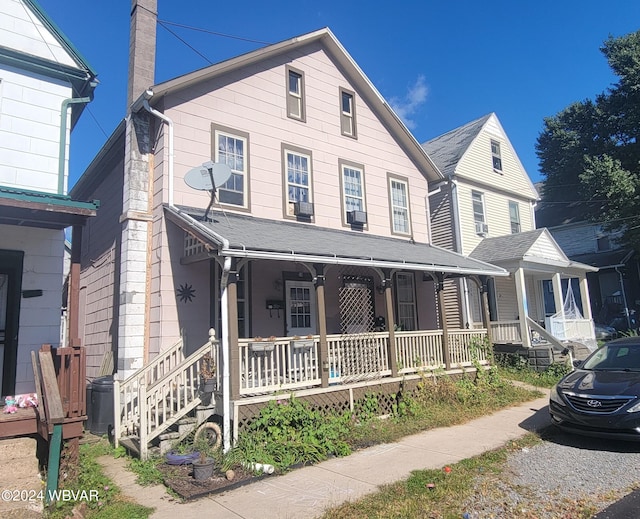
x=251 y=237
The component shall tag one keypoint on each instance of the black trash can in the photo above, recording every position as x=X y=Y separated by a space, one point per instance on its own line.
x=101 y=410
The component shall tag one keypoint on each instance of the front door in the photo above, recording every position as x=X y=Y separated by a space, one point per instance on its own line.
x=10 y=286
x=301 y=308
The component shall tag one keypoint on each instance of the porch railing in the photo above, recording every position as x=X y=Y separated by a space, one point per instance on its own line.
x=282 y=363
x=420 y=350
x=359 y=356
x=505 y=332
x=270 y=365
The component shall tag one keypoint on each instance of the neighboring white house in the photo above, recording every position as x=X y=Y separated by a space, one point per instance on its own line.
x=44 y=85
x=484 y=208
x=615 y=288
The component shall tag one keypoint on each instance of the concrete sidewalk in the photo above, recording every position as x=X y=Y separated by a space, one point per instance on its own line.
x=307 y=492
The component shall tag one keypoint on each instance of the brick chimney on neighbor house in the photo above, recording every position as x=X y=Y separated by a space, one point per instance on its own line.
x=137 y=199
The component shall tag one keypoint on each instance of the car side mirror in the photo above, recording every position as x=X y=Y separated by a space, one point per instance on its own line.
x=577 y=363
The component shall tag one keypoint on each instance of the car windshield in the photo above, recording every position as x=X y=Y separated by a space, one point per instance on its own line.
x=613 y=357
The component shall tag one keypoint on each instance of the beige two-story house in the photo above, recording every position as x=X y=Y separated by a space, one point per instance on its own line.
x=485 y=208
x=283 y=204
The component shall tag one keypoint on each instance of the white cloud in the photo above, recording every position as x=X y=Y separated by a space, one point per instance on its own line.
x=407 y=106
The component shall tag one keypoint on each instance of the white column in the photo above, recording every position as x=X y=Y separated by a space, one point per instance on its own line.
x=586 y=300
x=523 y=307
x=557 y=293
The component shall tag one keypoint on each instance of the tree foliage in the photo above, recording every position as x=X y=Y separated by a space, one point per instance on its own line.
x=590 y=150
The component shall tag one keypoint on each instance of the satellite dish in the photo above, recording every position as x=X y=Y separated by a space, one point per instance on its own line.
x=208 y=176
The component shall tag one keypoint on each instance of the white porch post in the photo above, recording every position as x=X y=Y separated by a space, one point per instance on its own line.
x=557 y=293
x=586 y=300
x=523 y=309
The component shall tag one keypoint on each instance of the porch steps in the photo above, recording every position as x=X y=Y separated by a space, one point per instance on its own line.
x=161 y=406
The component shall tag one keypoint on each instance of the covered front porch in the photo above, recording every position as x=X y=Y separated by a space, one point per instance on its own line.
x=302 y=307
x=531 y=305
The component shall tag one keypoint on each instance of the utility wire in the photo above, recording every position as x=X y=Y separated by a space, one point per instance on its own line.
x=214 y=33
x=161 y=24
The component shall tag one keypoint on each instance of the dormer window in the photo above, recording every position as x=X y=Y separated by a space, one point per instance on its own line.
x=295 y=94
x=496 y=156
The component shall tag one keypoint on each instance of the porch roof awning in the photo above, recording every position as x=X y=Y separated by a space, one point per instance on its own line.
x=247 y=236
x=45 y=210
x=532 y=249
x=606 y=260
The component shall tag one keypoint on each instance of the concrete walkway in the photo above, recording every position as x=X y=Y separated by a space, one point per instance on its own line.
x=307 y=492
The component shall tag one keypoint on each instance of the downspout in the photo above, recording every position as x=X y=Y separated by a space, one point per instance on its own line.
x=62 y=155
x=226 y=400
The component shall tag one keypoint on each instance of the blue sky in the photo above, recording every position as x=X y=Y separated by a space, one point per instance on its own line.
x=441 y=64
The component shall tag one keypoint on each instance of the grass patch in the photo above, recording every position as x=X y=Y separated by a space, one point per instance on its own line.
x=111 y=503
x=431 y=493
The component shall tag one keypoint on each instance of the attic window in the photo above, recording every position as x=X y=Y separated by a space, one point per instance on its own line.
x=496 y=156
x=603 y=243
x=295 y=94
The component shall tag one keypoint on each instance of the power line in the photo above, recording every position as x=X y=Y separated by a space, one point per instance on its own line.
x=214 y=33
x=183 y=41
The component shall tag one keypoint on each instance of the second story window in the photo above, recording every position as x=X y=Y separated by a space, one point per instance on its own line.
x=477 y=200
x=295 y=94
x=353 y=200
x=603 y=243
x=399 y=197
x=347 y=113
x=496 y=156
x=231 y=148
x=297 y=171
x=514 y=217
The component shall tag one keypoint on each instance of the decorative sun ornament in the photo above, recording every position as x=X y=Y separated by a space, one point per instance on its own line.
x=186 y=293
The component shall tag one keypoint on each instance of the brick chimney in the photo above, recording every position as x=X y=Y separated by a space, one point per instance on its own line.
x=142 y=47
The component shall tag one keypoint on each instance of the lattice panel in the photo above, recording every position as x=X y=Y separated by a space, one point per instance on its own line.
x=192 y=246
x=360 y=356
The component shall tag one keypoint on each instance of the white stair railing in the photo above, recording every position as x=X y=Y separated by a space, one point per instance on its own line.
x=125 y=393
x=172 y=397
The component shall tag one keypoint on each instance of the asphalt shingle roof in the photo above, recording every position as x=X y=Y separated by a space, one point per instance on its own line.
x=446 y=150
x=258 y=234
x=504 y=248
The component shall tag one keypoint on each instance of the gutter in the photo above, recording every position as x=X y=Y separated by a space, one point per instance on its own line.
x=143 y=103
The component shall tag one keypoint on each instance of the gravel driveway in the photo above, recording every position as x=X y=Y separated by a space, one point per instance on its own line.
x=558 y=478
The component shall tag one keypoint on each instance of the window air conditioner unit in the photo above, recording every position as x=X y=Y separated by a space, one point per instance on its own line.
x=482 y=228
x=304 y=209
x=357 y=217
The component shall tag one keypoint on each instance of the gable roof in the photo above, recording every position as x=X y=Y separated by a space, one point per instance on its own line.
x=349 y=67
x=76 y=70
x=447 y=149
x=534 y=247
x=252 y=237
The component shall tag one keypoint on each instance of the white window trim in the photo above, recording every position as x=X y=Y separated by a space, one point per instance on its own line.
x=244 y=172
x=286 y=150
x=513 y=203
x=355 y=167
x=392 y=206
x=497 y=155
